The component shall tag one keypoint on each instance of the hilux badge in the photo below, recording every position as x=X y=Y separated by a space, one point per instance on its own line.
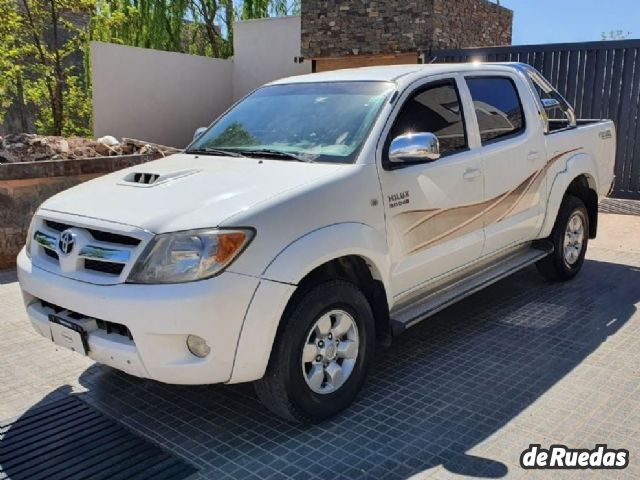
x=66 y=242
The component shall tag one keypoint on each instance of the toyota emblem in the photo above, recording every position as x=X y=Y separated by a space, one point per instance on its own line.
x=66 y=242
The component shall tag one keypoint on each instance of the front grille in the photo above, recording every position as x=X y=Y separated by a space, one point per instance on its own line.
x=104 y=267
x=53 y=307
x=113 y=238
x=51 y=253
x=99 y=235
x=57 y=226
x=112 y=327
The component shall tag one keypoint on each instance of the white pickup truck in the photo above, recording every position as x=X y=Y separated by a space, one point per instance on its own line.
x=317 y=218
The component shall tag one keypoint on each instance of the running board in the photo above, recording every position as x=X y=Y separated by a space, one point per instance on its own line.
x=413 y=313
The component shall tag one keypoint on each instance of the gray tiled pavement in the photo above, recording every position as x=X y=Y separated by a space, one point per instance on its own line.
x=463 y=394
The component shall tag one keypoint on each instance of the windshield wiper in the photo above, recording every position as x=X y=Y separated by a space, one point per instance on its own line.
x=268 y=152
x=215 y=151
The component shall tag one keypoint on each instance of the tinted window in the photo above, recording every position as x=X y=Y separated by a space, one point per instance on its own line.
x=497 y=106
x=436 y=110
x=324 y=122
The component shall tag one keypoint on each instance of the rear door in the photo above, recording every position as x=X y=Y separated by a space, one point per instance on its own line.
x=431 y=208
x=513 y=158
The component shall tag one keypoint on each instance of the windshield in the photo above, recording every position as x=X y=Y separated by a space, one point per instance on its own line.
x=323 y=122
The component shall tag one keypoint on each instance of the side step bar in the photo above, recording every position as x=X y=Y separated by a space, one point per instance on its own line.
x=424 y=307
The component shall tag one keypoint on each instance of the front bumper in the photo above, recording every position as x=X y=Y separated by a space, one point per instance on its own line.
x=159 y=318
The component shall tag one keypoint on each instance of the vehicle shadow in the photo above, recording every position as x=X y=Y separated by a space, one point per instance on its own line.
x=442 y=388
x=8 y=276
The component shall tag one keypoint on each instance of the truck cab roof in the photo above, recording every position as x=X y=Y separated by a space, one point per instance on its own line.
x=393 y=73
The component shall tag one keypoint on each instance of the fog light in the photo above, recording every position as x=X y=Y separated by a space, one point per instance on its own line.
x=198 y=346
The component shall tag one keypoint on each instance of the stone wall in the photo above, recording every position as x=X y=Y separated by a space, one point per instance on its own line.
x=338 y=28
x=24 y=186
x=470 y=23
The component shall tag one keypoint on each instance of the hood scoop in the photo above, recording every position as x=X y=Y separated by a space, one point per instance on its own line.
x=150 y=179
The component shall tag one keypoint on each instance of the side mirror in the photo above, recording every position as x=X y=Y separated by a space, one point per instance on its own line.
x=414 y=147
x=198 y=132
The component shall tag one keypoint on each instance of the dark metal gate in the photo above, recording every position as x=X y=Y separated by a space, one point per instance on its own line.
x=600 y=79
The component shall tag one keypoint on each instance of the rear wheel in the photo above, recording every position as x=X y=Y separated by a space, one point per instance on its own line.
x=570 y=237
x=321 y=354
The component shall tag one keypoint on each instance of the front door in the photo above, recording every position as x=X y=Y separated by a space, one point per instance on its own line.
x=432 y=223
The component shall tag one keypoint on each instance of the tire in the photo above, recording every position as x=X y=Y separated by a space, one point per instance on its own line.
x=565 y=263
x=287 y=389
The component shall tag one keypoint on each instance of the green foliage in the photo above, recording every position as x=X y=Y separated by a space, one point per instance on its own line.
x=42 y=70
x=9 y=50
x=44 y=46
x=266 y=8
x=198 y=27
x=155 y=24
x=185 y=26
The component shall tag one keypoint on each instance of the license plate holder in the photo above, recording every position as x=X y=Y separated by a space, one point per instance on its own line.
x=68 y=334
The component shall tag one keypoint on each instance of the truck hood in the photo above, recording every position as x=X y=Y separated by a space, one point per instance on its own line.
x=183 y=192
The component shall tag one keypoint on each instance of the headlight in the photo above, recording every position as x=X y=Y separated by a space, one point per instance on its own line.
x=28 y=240
x=187 y=256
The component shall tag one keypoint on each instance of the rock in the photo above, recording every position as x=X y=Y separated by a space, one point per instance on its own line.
x=63 y=146
x=29 y=148
x=109 y=141
x=127 y=148
x=102 y=149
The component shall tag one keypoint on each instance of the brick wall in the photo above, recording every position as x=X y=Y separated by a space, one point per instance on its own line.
x=24 y=186
x=338 y=28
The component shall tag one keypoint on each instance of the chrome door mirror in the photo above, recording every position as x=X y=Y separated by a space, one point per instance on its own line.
x=198 y=132
x=414 y=147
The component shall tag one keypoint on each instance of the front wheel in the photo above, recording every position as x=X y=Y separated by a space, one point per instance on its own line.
x=321 y=354
x=570 y=236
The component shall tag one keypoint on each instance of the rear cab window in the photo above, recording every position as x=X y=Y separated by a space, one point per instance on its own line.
x=498 y=107
x=558 y=114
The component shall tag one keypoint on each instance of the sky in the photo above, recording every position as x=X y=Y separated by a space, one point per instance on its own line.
x=554 y=21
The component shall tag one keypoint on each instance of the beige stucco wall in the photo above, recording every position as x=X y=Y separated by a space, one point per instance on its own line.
x=265 y=50
x=163 y=97
x=156 y=96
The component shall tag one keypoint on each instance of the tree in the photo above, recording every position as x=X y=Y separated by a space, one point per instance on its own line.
x=44 y=46
x=200 y=27
x=157 y=24
x=42 y=43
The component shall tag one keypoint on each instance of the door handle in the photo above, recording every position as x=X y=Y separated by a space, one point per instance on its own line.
x=533 y=155
x=471 y=174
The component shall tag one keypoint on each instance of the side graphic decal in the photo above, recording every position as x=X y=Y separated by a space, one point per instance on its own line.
x=426 y=228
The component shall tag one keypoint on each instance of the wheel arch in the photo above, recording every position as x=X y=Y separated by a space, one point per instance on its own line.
x=583 y=187
x=578 y=179
x=354 y=269
x=350 y=251
x=329 y=244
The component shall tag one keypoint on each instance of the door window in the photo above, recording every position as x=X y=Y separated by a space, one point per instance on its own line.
x=436 y=109
x=497 y=106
